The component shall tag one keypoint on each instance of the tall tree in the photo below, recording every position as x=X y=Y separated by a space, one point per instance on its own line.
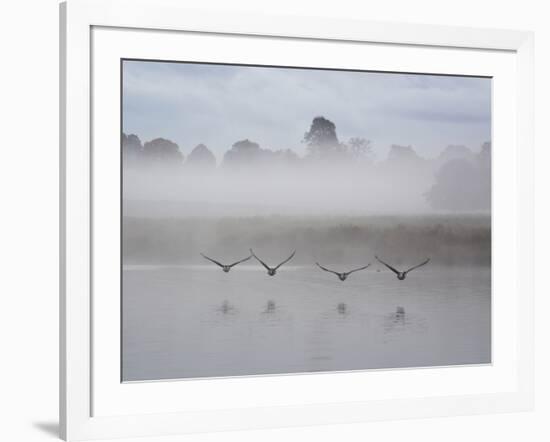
x=321 y=138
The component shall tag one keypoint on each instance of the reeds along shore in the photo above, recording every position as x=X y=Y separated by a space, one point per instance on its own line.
x=454 y=240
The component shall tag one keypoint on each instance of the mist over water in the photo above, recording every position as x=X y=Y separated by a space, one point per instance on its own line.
x=342 y=186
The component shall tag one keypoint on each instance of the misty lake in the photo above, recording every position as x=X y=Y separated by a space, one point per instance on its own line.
x=196 y=321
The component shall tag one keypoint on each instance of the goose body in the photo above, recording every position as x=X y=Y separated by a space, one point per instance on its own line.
x=226 y=267
x=272 y=271
x=342 y=276
x=402 y=275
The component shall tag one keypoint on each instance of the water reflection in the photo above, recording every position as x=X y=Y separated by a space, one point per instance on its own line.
x=342 y=308
x=226 y=307
x=193 y=323
x=270 y=307
x=396 y=321
x=401 y=323
x=400 y=315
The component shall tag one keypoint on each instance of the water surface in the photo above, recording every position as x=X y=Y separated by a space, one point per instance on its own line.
x=196 y=321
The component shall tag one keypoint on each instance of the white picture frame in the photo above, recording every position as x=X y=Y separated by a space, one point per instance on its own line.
x=92 y=406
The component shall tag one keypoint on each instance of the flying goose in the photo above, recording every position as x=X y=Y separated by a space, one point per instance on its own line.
x=225 y=267
x=402 y=275
x=342 y=275
x=271 y=271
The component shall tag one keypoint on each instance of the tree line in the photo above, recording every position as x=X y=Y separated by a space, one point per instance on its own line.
x=321 y=140
x=461 y=178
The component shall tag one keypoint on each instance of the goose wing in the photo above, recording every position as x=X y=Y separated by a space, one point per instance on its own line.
x=260 y=261
x=212 y=260
x=388 y=266
x=419 y=265
x=356 y=270
x=239 y=261
x=325 y=269
x=286 y=260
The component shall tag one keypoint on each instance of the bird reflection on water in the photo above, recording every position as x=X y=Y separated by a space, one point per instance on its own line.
x=270 y=307
x=396 y=322
x=342 y=308
x=400 y=315
x=226 y=307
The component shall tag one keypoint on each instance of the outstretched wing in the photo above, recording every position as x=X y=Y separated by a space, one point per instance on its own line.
x=356 y=270
x=325 y=269
x=238 y=262
x=261 y=262
x=212 y=260
x=419 y=265
x=286 y=260
x=387 y=265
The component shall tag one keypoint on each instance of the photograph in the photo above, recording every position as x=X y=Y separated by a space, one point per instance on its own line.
x=281 y=220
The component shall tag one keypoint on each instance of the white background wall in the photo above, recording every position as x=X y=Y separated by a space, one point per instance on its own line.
x=29 y=204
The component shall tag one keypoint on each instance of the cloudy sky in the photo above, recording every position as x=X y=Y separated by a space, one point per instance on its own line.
x=218 y=105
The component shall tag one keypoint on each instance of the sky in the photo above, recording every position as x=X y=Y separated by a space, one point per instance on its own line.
x=218 y=105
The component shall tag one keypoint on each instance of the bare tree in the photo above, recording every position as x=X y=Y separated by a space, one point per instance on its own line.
x=359 y=148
